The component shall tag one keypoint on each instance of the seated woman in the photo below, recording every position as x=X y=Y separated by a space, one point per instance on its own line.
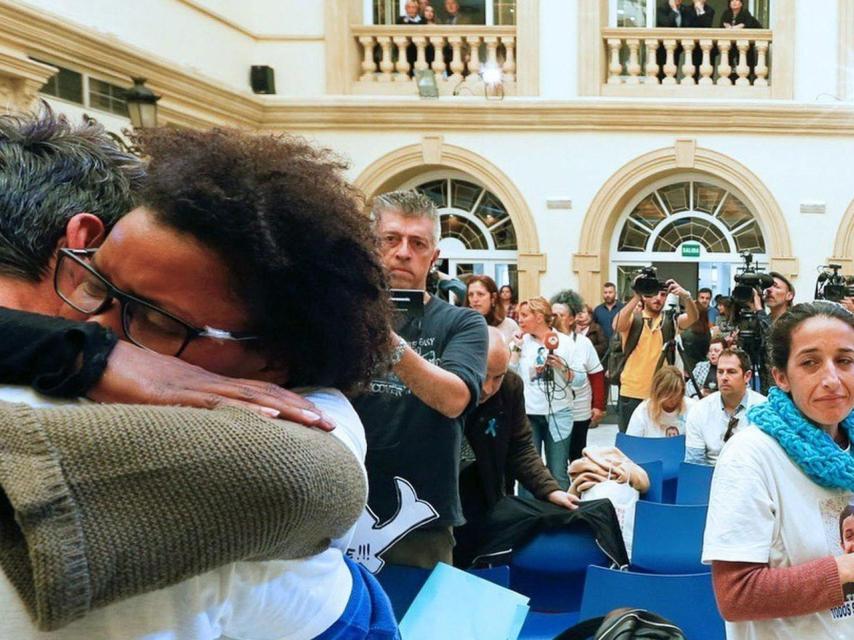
x=226 y=265
x=781 y=489
x=663 y=413
x=482 y=296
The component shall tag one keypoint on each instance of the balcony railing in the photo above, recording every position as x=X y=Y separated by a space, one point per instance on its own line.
x=458 y=55
x=699 y=62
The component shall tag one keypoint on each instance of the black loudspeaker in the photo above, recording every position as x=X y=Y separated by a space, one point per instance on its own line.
x=262 y=79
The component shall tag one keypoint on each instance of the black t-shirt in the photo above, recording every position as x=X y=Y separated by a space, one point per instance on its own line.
x=408 y=439
x=54 y=356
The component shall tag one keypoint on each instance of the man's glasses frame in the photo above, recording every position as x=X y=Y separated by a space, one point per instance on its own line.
x=123 y=298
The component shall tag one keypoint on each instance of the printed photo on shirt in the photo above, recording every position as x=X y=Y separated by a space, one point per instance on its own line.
x=837 y=517
x=671 y=431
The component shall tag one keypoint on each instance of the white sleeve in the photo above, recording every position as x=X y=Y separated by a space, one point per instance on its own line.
x=637 y=423
x=592 y=364
x=694 y=427
x=740 y=522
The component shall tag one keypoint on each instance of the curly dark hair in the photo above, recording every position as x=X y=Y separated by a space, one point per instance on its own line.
x=293 y=234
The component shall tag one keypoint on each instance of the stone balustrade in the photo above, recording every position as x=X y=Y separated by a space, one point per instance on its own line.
x=708 y=62
x=458 y=55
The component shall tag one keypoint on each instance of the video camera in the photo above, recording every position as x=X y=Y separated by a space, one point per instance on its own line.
x=749 y=279
x=832 y=285
x=647 y=283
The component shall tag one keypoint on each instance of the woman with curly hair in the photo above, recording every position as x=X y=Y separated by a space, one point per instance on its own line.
x=482 y=296
x=246 y=256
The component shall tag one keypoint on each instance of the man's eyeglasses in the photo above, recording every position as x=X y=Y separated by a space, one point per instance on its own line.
x=78 y=283
x=730 y=427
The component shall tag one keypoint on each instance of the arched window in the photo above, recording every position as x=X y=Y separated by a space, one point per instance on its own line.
x=690 y=221
x=477 y=233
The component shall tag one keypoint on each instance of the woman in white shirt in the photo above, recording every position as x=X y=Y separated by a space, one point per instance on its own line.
x=482 y=296
x=782 y=488
x=548 y=363
x=663 y=413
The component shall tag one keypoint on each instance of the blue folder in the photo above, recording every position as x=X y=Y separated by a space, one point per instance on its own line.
x=455 y=604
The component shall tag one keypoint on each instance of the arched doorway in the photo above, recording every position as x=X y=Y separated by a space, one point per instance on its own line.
x=415 y=164
x=843 y=247
x=478 y=236
x=628 y=186
x=693 y=227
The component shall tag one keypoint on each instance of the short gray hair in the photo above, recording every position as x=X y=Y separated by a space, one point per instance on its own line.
x=409 y=204
x=51 y=170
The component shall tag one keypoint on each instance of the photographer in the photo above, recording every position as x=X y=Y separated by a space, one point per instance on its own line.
x=644 y=335
x=779 y=297
x=753 y=289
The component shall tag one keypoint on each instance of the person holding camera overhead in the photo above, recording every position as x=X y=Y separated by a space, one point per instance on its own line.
x=644 y=335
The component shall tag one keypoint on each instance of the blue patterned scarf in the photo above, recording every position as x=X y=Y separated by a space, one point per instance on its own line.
x=808 y=446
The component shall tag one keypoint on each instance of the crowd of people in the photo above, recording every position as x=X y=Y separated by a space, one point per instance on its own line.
x=422 y=12
x=213 y=422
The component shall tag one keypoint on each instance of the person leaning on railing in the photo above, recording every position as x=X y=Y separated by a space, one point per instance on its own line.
x=738 y=17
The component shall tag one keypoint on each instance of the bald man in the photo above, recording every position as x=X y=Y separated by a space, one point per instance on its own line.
x=500 y=438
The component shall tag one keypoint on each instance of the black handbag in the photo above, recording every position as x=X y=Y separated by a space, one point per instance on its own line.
x=622 y=624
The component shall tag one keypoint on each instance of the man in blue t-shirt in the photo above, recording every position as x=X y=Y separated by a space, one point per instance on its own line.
x=605 y=313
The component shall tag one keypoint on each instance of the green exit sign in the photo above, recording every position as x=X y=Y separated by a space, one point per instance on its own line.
x=690 y=251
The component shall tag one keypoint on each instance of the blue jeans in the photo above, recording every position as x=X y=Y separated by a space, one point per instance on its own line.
x=557 y=451
x=368 y=615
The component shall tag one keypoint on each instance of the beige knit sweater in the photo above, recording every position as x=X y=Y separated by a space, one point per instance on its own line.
x=102 y=502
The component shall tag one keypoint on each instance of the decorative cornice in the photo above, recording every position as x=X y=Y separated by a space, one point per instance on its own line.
x=193 y=100
x=246 y=31
x=189 y=99
x=518 y=114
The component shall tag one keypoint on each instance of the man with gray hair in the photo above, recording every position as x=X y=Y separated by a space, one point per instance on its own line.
x=413 y=413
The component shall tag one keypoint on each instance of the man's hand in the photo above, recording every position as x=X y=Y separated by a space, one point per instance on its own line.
x=564 y=499
x=136 y=376
x=676 y=288
x=596 y=417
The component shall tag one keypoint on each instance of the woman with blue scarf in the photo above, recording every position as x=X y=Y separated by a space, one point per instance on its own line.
x=773 y=533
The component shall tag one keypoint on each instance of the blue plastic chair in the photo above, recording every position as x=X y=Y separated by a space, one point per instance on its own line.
x=402 y=584
x=655 y=470
x=686 y=600
x=545 y=626
x=694 y=484
x=668 y=538
x=671 y=452
x=550 y=568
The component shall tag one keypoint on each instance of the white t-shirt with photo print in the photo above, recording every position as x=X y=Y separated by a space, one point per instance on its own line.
x=541 y=397
x=764 y=509
x=642 y=425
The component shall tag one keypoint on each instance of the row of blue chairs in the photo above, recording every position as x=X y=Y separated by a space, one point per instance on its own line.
x=671 y=479
x=687 y=599
x=692 y=484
